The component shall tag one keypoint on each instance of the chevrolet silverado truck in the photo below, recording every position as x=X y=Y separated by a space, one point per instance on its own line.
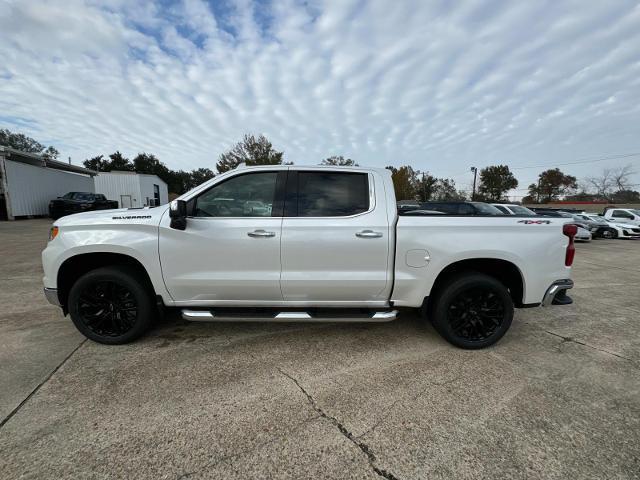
x=307 y=244
x=75 y=202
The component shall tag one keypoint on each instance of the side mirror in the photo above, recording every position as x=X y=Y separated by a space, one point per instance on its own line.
x=178 y=214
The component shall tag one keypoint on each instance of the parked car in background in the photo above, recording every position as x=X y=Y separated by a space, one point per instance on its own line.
x=630 y=216
x=407 y=205
x=548 y=212
x=462 y=208
x=598 y=226
x=583 y=235
x=622 y=230
x=511 y=209
x=76 y=202
x=419 y=212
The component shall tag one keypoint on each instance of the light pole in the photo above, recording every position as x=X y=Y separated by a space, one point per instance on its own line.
x=475 y=174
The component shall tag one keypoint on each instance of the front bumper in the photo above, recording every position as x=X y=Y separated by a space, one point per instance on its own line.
x=555 y=288
x=51 y=294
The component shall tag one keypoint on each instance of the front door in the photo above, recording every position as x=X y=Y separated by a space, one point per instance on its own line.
x=622 y=216
x=335 y=239
x=229 y=253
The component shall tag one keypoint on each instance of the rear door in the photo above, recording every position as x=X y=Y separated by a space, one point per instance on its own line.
x=335 y=239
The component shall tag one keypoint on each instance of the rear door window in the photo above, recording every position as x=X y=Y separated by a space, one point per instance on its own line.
x=332 y=194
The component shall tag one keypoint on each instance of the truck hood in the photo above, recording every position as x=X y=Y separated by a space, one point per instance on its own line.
x=117 y=216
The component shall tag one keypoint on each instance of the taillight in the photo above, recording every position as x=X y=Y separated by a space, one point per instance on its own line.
x=570 y=231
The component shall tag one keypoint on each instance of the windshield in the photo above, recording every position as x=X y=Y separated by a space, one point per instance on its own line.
x=518 y=210
x=486 y=209
x=83 y=196
x=635 y=211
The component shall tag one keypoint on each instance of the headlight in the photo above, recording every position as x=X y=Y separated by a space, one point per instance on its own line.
x=53 y=233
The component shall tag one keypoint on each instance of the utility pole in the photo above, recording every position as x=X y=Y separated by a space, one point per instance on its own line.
x=475 y=174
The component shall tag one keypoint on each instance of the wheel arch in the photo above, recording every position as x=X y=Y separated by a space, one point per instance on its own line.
x=504 y=271
x=77 y=265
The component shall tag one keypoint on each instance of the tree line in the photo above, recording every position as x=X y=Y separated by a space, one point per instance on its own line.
x=494 y=182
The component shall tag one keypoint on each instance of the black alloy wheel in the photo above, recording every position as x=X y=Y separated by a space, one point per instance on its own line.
x=475 y=314
x=607 y=233
x=111 y=305
x=107 y=308
x=471 y=310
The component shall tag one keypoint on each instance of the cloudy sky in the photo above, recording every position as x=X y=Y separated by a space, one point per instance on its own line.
x=440 y=85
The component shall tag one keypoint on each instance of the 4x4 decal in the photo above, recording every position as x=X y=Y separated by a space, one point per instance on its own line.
x=535 y=222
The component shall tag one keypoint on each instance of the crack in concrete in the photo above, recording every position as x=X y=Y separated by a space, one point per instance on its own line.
x=35 y=390
x=363 y=447
x=573 y=340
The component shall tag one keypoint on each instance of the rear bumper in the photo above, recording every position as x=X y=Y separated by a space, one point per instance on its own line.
x=51 y=294
x=554 y=289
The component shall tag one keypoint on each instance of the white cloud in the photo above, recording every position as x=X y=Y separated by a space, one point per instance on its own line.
x=439 y=86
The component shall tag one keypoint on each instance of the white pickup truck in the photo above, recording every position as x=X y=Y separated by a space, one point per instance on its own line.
x=630 y=216
x=290 y=243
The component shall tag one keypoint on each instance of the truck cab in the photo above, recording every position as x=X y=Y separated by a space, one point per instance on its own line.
x=630 y=216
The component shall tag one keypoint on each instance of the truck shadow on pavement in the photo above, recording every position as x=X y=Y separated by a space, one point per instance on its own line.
x=173 y=329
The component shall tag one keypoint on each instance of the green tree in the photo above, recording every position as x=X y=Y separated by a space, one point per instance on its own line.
x=250 y=151
x=405 y=180
x=149 y=163
x=426 y=185
x=626 y=196
x=119 y=162
x=551 y=185
x=50 y=153
x=178 y=181
x=339 y=160
x=23 y=143
x=445 y=190
x=97 y=163
x=495 y=182
x=199 y=176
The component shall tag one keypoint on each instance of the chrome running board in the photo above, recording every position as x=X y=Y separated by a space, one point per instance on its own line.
x=345 y=317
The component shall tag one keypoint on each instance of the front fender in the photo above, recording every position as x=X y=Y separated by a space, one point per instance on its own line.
x=137 y=241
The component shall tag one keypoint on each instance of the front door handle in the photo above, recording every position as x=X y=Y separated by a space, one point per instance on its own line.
x=368 y=234
x=261 y=233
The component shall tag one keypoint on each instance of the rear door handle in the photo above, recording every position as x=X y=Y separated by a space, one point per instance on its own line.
x=368 y=234
x=261 y=233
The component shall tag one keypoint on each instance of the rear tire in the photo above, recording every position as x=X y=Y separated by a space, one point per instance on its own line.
x=111 y=305
x=472 y=310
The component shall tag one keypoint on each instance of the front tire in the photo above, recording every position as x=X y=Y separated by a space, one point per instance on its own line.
x=609 y=234
x=111 y=305
x=472 y=310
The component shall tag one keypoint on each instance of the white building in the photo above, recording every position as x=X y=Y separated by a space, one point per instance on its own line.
x=29 y=181
x=132 y=189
